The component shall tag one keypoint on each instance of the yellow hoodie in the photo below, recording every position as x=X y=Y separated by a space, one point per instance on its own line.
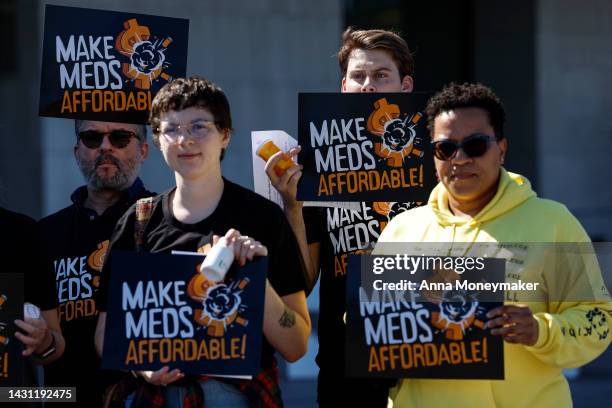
x=533 y=376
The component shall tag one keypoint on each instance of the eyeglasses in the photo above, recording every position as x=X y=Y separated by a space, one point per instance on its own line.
x=92 y=139
x=197 y=130
x=474 y=146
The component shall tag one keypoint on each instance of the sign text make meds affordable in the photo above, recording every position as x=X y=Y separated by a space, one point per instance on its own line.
x=105 y=65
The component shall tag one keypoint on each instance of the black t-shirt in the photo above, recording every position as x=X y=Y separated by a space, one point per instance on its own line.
x=341 y=232
x=75 y=241
x=20 y=254
x=238 y=208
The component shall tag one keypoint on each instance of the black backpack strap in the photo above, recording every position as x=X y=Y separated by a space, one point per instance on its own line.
x=144 y=209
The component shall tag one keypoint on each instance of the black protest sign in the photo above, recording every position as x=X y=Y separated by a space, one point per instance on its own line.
x=106 y=65
x=364 y=147
x=11 y=308
x=163 y=311
x=423 y=327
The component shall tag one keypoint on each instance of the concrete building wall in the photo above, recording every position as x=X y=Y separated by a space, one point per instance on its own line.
x=574 y=79
x=260 y=52
x=504 y=59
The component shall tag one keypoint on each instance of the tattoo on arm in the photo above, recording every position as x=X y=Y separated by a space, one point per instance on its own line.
x=287 y=319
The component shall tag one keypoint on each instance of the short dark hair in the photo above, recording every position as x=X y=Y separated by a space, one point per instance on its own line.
x=182 y=93
x=467 y=95
x=142 y=132
x=376 y=40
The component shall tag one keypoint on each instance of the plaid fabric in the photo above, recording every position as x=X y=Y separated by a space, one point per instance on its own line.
x=262 y=391
x=147 y=395
x=152 y=396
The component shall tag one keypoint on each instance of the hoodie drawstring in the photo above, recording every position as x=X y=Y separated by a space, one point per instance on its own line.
x=471 y=243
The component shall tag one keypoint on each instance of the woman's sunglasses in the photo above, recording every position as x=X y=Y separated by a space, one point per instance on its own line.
x=92 y=139
x=474 y=146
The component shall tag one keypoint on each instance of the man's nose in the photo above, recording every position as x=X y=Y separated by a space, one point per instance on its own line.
x=368 y=85
x=106 y=143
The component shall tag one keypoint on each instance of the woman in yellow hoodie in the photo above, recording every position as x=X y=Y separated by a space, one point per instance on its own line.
x=477 y=200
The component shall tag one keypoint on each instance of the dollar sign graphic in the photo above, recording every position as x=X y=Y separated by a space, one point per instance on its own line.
x=96 y=259
x=383 y=113
x=382 y=207
x=132 y=34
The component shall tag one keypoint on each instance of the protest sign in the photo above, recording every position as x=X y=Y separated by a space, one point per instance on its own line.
x=422 y=324
x=165 y=312
x=107 y=65
x=11 y=308
x=364 y=147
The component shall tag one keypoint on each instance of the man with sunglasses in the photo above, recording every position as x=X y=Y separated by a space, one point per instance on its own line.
x=75 y=240
x=478 y=201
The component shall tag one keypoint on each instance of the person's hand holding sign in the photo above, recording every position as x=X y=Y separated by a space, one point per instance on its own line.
x=515 y=323
x=286 y=180
x=162 y=377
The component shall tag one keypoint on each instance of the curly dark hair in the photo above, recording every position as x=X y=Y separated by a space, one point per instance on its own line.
x=183 y=93
x=376 y=40
x=467 y=95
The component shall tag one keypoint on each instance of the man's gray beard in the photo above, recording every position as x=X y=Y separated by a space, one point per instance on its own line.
x=123 y=178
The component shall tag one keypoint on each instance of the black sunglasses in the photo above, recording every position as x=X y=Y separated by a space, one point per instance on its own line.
x=92 y=139
x=474 y=146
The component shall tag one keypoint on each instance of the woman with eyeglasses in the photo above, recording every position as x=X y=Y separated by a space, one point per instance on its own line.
x=192 y=125
x=478 y=201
